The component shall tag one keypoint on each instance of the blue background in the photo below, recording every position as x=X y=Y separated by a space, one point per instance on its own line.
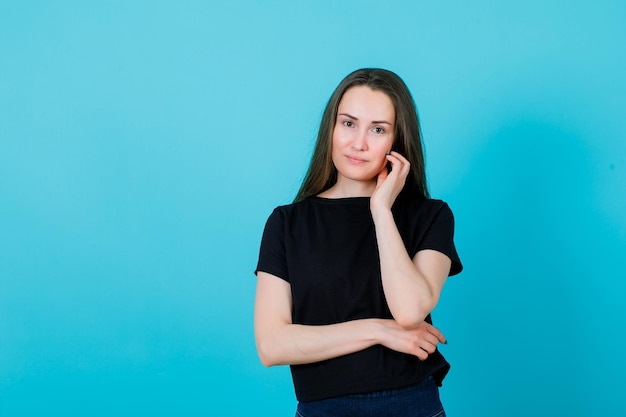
x=144 y=143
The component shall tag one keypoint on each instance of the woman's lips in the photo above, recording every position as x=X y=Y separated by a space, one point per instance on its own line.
x=355 y=160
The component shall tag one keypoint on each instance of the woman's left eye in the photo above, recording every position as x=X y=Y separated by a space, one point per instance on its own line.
x=378 y=129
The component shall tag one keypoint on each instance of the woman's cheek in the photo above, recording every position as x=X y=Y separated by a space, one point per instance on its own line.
x=382 y=162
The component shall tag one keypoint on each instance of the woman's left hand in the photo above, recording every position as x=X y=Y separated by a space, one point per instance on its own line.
x=390 y=183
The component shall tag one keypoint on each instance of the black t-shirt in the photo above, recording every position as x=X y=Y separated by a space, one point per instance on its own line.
x=327 y=250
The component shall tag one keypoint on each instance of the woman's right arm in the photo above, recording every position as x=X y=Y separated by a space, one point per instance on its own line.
x=281 y=342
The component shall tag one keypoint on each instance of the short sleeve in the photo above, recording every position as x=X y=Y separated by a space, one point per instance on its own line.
x=272 y=256
x=439 y=236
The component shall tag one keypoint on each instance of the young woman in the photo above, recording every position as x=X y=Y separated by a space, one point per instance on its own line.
x=349 y=273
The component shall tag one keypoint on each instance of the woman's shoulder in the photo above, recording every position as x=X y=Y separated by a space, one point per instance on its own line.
x=290 y=209
x=295 y=205
x=417 y=203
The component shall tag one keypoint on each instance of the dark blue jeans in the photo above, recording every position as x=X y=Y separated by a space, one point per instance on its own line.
x=421 y=400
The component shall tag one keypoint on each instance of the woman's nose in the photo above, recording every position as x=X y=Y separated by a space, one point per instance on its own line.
x=359 y=141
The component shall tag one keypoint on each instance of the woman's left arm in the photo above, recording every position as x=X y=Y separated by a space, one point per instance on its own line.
x=412 y=286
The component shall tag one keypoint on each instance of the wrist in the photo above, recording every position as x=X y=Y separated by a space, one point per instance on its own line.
x=381 y=213
x=380 y=331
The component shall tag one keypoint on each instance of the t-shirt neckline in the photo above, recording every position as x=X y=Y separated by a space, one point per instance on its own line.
x=340 y=200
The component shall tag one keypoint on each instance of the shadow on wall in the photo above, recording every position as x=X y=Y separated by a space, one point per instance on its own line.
x=542 y=260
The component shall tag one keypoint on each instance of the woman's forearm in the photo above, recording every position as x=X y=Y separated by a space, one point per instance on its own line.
x=293 y=344
x=299 y=344
x=407 y=291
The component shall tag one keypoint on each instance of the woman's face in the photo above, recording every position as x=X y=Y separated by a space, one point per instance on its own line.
x=363 y=133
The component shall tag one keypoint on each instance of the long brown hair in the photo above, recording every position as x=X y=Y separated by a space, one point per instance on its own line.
x=322 y=173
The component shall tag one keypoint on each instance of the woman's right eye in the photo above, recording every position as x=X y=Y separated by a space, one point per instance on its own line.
x=348 y=123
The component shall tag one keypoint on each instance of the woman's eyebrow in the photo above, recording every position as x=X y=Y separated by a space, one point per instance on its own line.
x=375 y=122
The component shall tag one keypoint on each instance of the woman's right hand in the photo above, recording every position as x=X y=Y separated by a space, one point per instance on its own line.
x=419 y=341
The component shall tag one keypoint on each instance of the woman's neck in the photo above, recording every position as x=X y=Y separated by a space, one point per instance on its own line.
x=345 y=188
